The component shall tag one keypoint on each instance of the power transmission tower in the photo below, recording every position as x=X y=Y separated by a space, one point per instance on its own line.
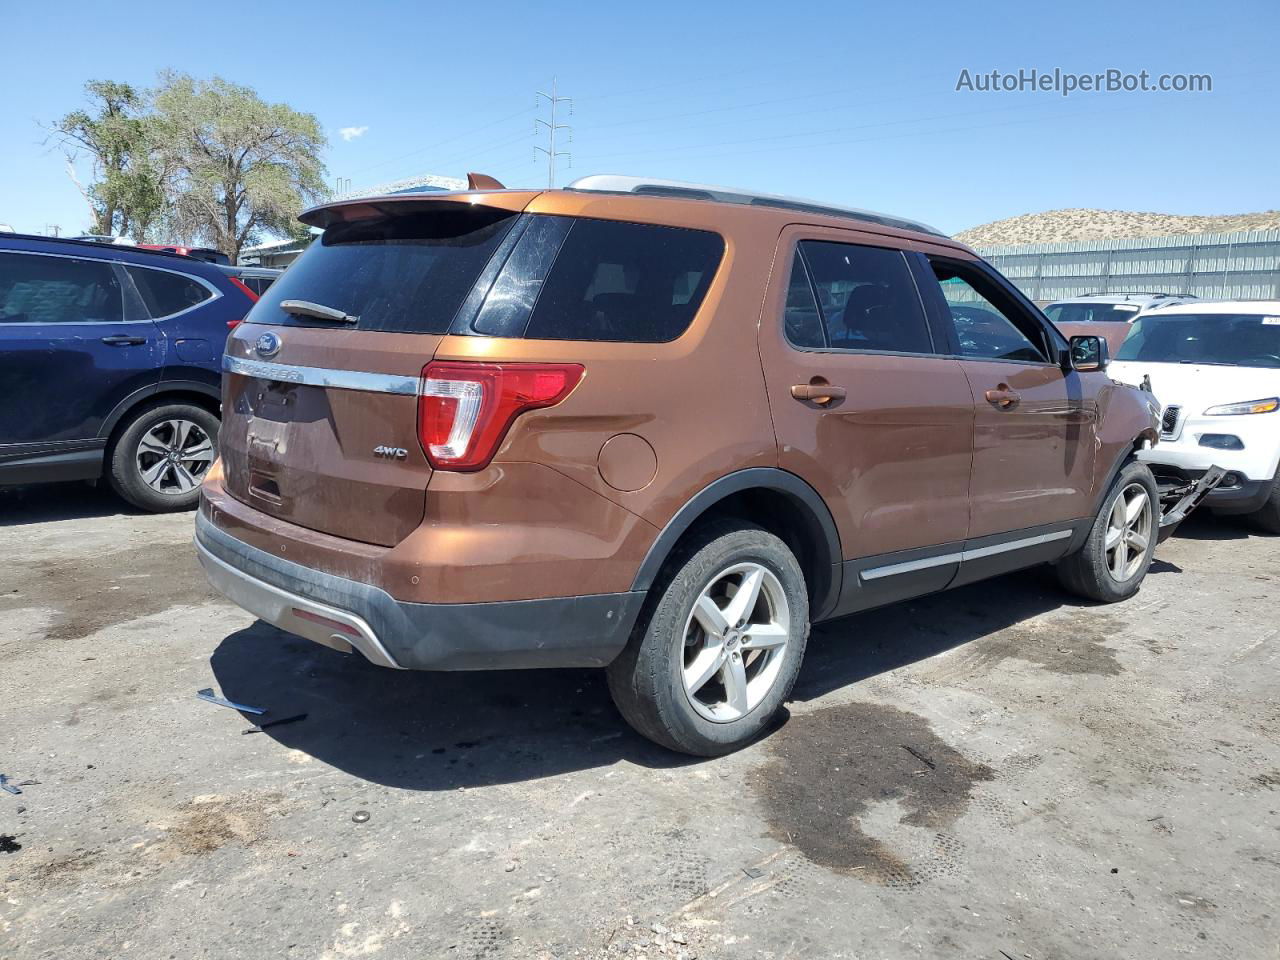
x=554 y=100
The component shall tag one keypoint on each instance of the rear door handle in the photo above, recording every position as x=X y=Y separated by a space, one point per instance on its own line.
x=123 y=340
x=818 y=391
x=1003 y=398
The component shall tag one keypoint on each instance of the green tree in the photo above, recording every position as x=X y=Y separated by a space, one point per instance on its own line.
x=125 y=196
x=236 y=166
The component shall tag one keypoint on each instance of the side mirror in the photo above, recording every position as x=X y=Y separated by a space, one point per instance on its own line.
x=1089 y=354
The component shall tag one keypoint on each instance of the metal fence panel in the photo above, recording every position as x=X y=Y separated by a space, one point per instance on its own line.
x=1243 y=265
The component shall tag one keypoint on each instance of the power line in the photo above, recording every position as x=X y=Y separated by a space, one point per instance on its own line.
x=554 y=100
x=897 y=136
x=446 y=140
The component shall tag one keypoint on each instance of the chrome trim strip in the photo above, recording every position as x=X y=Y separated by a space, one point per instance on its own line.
x=910 y=566
x=321 y=377
x=1022 y=544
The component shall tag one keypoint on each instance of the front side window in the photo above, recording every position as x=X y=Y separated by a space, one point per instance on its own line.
x=988 y=325
x=865 y=300
x=167 y=293
x=39 y=289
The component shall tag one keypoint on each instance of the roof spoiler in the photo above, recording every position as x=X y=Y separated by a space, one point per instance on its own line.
x=482 y=181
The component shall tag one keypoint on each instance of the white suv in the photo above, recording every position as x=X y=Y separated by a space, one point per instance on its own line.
x=1215 y=366
x=1111 y=307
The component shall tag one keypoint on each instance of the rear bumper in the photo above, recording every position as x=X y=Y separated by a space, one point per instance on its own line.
x=586 y=631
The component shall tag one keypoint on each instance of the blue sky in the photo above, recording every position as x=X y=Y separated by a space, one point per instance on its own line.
x=848 y=102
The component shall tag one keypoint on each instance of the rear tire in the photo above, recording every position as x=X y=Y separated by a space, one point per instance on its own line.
x=1112 y=562
x=1267 y=517
x=140 y=467
x=695 y=677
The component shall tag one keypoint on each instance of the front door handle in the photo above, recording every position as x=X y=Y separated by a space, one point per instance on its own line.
x=122 y=340
x=1003 y=398
x=818 y=391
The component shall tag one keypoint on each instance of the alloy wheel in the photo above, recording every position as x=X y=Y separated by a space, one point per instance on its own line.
x=734 y=642
x=173 y=456
x=1128 y=532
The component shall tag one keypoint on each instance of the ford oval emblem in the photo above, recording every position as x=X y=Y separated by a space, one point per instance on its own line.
x=268 y=345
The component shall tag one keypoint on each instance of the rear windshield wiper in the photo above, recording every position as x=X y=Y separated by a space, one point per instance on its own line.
x=305 y=308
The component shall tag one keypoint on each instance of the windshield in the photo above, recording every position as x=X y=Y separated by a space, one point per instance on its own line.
x=1091 y=312
x=406 y=273
x=1234 y=339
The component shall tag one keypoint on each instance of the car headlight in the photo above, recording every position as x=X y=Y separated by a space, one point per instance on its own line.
x=1269 y=405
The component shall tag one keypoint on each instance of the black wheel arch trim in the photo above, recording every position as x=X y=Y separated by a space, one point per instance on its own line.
x=151 y=392
x=826 y=592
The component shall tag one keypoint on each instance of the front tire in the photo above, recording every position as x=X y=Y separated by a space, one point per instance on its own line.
x=721 y=647
x=1112 y=562
x=160 y=456
x=1267 y=517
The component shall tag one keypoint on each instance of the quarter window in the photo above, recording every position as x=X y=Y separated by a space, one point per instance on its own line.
x=859 y=298
x=617 y=281
x=987 y=324
x=38 y=289
x=167 y=293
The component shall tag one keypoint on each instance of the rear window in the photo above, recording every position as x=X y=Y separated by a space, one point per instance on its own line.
x=1092 y=312
x=167 y=293
x=407 y=273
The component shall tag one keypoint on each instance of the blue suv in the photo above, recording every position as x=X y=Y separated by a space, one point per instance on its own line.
x=110 y=366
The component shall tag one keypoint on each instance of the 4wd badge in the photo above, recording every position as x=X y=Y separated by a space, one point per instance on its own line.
x=391 y=453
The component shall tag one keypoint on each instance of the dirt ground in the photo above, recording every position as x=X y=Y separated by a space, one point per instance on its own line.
x=995 y=772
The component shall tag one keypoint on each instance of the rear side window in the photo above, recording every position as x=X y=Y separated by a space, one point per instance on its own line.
x=40 y=289
x=167 y=293
x=406 y=273
x=618 y=281
x=866 y=300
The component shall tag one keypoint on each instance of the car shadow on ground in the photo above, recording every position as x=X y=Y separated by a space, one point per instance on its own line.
x=441 y=731
x=51 y=502
x=846 y=651
x=1205 y=525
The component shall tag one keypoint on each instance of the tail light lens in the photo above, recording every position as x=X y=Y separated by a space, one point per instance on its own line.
x=245 y=289
x=465 y=409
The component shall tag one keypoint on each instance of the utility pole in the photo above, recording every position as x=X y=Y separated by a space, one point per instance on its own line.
x=554 y=99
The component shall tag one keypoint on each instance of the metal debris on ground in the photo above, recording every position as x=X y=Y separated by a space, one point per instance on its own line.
x=920 y=756
x=208 y=694
x=8 y=787
x=275 y=723
x=360 y=816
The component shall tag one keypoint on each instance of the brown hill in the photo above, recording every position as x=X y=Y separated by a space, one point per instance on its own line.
x=1062 y=226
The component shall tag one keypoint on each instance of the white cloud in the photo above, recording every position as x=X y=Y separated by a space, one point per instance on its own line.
x=351 y=133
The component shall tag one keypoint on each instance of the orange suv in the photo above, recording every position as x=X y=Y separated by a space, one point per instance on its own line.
x=654 y=427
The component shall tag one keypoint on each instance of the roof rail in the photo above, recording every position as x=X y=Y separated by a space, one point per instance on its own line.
x=701 y=191
x=99 y=246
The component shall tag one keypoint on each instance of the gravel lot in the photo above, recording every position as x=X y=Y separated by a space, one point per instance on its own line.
x=995 y=772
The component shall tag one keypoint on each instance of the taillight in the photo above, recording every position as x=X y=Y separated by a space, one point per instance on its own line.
x=465 y=408
x=244 y=288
